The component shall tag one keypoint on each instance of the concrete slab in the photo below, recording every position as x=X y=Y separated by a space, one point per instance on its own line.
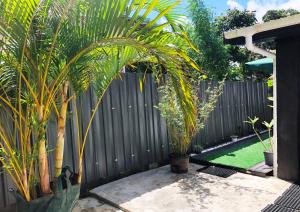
x=261 y=169
x=160 y=190
x=93 y=205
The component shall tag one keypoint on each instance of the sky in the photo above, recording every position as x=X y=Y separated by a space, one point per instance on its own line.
x=260 y=6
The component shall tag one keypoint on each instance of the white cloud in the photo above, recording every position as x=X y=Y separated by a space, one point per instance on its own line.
x=262 y=6
x=233 y=4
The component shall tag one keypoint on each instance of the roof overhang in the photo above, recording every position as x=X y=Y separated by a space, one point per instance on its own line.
x=281 y=28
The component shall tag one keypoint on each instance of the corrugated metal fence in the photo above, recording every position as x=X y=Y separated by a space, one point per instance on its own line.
x=240 y=100
x=128 y=135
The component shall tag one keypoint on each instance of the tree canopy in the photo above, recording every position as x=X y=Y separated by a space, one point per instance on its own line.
x=277 y=14
x=213 y=56
x=234 y=19
x=216 y=58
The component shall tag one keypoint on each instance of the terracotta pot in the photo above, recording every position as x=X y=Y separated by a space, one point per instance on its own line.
x=179 y=163
x=268 y=158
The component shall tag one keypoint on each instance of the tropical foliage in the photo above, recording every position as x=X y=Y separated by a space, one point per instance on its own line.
x=216 y=58
x=213 y=56
x=269 y=127
x=234 y=19
x=277 y=14
x=181 y=135
x=49 y=47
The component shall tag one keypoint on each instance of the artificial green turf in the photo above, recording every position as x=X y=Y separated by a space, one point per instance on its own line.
x=244 y=155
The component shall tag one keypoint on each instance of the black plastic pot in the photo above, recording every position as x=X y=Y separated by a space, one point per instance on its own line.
x=268 y=158
x=179 y=163
x=62 y=200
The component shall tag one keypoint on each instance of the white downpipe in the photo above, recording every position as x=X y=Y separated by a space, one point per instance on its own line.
x=251 y=47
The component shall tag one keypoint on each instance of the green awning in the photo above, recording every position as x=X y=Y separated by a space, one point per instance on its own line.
x=264 y=65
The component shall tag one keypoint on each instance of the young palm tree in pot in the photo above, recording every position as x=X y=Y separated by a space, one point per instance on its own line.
x=182 y=129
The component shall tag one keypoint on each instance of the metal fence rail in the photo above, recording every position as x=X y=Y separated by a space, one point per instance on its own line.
x=128 y=135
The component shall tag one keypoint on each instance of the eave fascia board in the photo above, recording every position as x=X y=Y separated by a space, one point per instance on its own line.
x=263 y=27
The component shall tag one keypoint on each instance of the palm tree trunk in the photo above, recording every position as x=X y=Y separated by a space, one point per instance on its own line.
x=79 y=171
x=43 y=159
x=61 y=125
x=43 y=168
x=25 y=184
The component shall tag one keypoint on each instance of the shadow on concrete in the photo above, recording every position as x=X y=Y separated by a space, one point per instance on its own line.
x=192 y=191
x=127 y=189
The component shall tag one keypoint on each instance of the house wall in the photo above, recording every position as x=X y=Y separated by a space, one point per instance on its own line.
x=288 y=105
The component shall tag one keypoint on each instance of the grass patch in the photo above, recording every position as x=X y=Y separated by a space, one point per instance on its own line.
x=243 y=155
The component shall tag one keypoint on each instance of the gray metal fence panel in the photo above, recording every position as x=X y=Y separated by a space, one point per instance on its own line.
x=129 y=135
x=239 y=100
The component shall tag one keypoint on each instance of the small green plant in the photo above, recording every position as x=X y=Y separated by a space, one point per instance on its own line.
x=269 y=127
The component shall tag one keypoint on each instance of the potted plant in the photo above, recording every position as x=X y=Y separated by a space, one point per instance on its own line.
x=181 y=129
x=268 y=149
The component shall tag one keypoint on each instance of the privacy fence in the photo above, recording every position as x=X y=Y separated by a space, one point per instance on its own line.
x=240 y=100
x=128 y=135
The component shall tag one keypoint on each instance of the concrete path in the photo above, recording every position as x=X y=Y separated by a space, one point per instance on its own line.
x=162 y=191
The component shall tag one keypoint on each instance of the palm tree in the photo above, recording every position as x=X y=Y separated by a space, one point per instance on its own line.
x=109 y=67
x=48 y=45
